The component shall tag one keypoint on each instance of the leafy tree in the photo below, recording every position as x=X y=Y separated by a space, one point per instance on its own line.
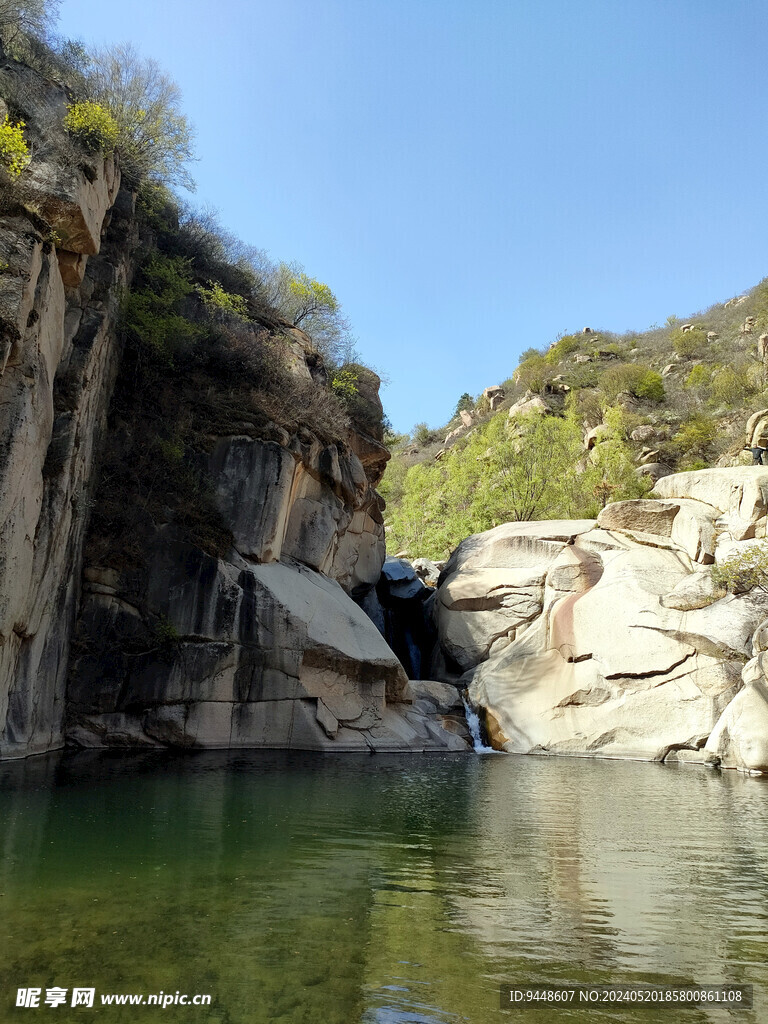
x=465 y=402
x=310 y=297
x=530 y=467
x=20 y=16
x=155 y=138
x=310 y=304
x=745 y=571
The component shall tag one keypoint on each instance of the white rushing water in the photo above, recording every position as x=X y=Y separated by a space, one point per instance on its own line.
x=473 y=723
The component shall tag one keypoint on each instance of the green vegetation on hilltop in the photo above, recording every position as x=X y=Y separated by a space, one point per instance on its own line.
x=618 y=410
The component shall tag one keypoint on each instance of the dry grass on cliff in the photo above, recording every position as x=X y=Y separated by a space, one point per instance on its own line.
x=166 y=417
x=252 y=382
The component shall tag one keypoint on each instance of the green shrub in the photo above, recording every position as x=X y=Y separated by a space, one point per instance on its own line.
x=533 y=373
x=92 y=126
x=562 y=348
x=222 y=303
x=650 y=387
x=14 y=152
x=688 y=344
x=344 y=384
x=731 y=385
x=583 y=375
x=171 y=450
x=152 y=312
x=699 y=377
x=745 y=571
x=695 y=438
x=608 y=350
x=635 y=379
x=165 y=633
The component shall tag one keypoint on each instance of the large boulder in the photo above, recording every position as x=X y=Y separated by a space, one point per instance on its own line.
x=740 y=737
x=740 y=490
x=740 y=493
x=215 y=653
x=478 y=607
x=691 y=524
x=606 y=638
x=530 y=404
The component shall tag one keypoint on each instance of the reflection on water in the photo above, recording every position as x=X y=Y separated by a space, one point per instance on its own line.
x=302 y=889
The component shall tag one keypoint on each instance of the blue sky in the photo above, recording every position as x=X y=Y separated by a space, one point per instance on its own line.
x=474 y=177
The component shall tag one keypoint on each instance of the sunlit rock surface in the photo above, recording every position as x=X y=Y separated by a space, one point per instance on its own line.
x=608 y=638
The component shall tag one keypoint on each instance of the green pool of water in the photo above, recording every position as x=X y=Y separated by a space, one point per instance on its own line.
x=311 y=890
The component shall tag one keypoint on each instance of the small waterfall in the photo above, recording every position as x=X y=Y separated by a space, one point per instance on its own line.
x=473 y=724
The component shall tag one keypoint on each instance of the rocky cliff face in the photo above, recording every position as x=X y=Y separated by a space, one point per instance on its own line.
x=260 y=646
x=264 y=647
x=607 y=637
x=59 y=359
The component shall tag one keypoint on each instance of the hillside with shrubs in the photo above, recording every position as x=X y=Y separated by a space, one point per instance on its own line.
x=592 y=418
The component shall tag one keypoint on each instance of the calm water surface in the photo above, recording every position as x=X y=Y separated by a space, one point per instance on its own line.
x=310 y=890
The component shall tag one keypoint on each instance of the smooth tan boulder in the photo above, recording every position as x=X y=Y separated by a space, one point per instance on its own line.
x=740 y=737
x=641 y=514
x=480 y=606
x=695 y=529
x=738 y=490
x=529 y=405
x=634 y=653
x=517 y=545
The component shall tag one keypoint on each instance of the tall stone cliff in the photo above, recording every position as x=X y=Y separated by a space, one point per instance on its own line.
x=259 y=645
x=59 y=356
